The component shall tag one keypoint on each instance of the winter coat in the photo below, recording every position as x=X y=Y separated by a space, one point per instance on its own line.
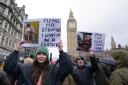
x=82 y=76
x=3 y=78
x=102 y=73
x=120 y=76
x=22 y=72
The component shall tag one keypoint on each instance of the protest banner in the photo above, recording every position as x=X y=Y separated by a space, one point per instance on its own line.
x=42 y=32
x=87 y=41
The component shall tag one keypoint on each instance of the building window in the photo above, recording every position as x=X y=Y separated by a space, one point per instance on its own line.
x=6 y=25
x=10 y=44
x=12 y=32
x=1 y=21
x=8 y=16
x=2 y=8
x=9 y=29
x=11 y=19
x=6 y=42
x=2 y=40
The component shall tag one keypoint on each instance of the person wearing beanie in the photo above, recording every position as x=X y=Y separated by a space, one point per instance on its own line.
x=40 y=72
x=120 y=75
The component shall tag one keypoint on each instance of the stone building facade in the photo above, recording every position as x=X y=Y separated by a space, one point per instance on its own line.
x=11 y=18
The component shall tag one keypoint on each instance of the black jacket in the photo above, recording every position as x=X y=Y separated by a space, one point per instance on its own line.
x=102 y=74
x=56 y=73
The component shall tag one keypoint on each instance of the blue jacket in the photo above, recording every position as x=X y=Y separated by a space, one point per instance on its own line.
x=22 y=72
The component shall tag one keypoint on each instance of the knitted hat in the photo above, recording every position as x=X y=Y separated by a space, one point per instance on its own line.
x=43 y=50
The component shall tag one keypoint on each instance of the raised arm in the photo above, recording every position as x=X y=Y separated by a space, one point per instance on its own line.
x=11 y=61
x=65 y=64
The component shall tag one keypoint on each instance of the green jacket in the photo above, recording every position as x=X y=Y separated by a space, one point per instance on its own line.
x=120 y=76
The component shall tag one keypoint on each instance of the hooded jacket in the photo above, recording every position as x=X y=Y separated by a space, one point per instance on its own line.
x=22 y=72
x=120 y=75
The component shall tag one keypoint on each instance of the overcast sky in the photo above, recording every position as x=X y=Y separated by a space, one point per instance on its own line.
x=102 y=16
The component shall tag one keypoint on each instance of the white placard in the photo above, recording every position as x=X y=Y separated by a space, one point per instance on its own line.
x=50 y=32
x=98 y=40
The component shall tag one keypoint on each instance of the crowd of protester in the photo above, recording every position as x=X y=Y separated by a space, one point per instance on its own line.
x=40 y=71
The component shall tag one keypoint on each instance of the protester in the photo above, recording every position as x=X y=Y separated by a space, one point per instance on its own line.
x=120 y=75
x=40 y=72
x=3 y=76
x=82 y=74
x=101 y=70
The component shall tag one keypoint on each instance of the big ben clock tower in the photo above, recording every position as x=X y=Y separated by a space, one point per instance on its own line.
x=72 y=35
x=71 y=42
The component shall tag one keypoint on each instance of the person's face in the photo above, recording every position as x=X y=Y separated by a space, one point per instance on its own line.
x=80 y=62
x=41 y=57
x=87 y=37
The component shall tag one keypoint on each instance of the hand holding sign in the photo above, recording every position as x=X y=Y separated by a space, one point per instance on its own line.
x=18 y=46
x=90 y=54
x=60 y=45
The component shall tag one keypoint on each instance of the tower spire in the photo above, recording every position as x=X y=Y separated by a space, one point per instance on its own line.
x=113 y=43
x=71 y=14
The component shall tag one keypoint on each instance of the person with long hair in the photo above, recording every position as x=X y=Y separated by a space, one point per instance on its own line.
x=40 y=72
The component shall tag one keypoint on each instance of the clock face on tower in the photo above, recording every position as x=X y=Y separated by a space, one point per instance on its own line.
x=72 y=25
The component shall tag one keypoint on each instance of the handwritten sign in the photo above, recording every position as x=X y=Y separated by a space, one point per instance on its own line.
x=98 y=40
x=87 y=41
x=50 y=32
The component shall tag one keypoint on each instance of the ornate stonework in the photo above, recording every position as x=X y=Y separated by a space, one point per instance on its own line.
x=11 y=18
x=72 y=35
